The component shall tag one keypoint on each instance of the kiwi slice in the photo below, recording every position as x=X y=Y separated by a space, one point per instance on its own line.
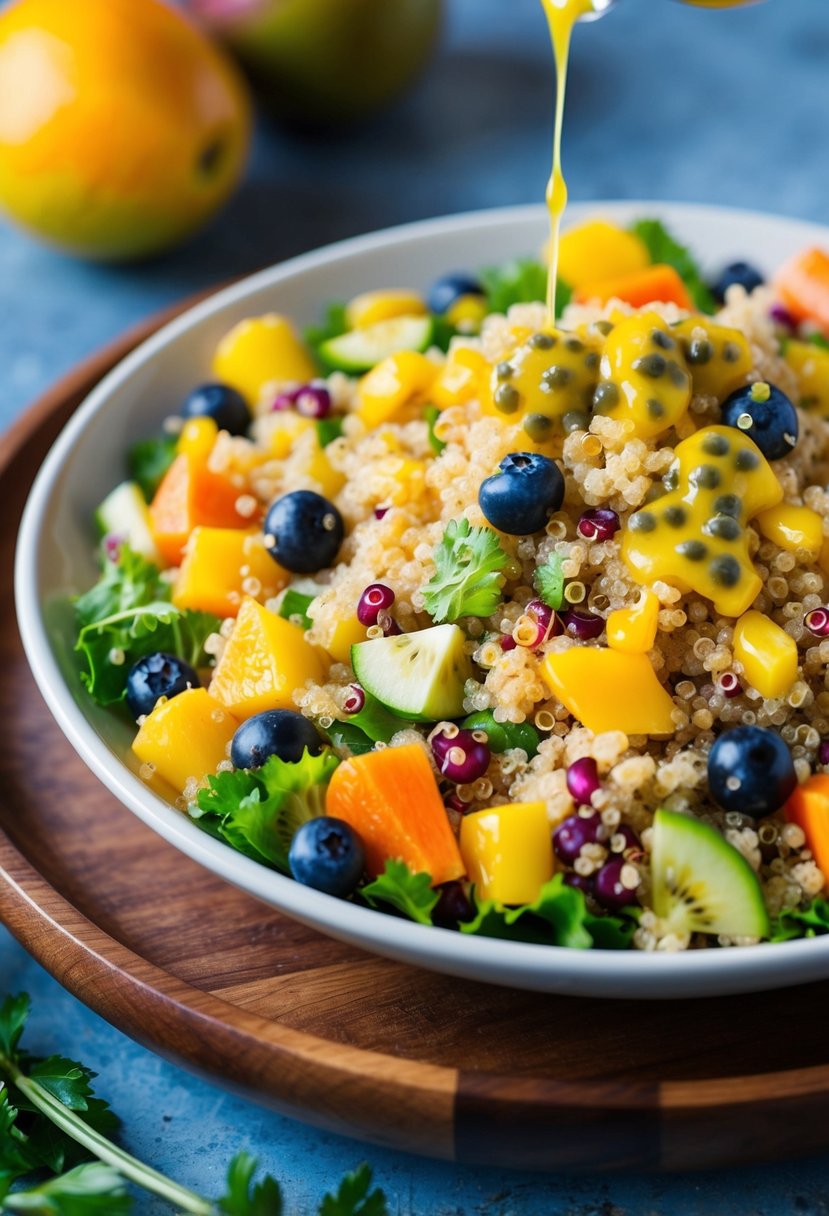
x=701 y=883
x=360 y=349
x=419 y=676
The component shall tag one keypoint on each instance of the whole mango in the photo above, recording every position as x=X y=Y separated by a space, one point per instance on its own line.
x=122 y=128
x=325 y=62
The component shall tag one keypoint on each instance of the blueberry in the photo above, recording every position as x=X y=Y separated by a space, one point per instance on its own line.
x=303 y=531
x=223 y=404
x=737 y=272
x=276 y=732
x=327 y=854
x=766 y=415
x=750 y=770
x=450 y=287
x=157 y=675
x=522 y=496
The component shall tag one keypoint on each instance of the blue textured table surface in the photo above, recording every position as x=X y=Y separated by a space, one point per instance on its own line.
x=666 y=102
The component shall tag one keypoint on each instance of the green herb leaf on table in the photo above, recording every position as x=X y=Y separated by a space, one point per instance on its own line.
x=811 y=921
x=86 y=1190
x=148 y=461
x=258 y=811
x=354 y=1197
x=411 y=894
x=244 y=1197
x=663 y=247
x=549 y=581
x=468 y=577
x=14 y=1013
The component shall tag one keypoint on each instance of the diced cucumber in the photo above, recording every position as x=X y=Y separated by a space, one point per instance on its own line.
x=124 y=512
x=701 y=883
x=420 y=675
x=360 y=349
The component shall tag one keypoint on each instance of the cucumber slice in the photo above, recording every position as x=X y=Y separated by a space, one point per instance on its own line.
x=360 y=349
x=124 y=513
x=701 y=883
x=419 y=676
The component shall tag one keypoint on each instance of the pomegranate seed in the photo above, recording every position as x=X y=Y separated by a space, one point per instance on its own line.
x=355 y=699
x=573 y=833
x=729 y=684
x=379 y=512
x=507 y=641
x=583 y=780
x=460 y=756
x=453 y=906
x=582 y=623
x=782 y=317
x=538 y=623
x=313 y=401
x=376 y=598
x=610 y=891
x=598 y=523
x=580 y=881
x=823 y=752
x=817 y=622
x=388 y=624
x=112 y=546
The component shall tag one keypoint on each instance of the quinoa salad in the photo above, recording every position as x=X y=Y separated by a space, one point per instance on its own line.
x=506 y=627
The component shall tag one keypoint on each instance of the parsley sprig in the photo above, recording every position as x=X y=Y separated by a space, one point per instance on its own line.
x=468 y=578
x=50 y=1122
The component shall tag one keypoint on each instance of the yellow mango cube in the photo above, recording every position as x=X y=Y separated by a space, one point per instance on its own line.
x=463 y=377
x=197 y=437
x=259 y=351
x=508 y=851
x=218 y=563
x=373 y=306
x=321 y=470
x=395 y=382
x=810 y=364
x=793 y=528
x=633 y=630
x=185 y=737
x=346 y=633
x=768 y=654
x=265 y=661
x=610 y=690
x=599 y=250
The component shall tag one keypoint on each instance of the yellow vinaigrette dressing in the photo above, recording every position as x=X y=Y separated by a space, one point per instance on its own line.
x=561 y=18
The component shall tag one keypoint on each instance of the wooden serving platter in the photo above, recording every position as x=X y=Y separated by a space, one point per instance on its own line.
x=224 y=985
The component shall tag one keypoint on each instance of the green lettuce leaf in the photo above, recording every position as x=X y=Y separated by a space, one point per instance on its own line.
x=148 y=461
x=520 y=281
x=129 y=582
x=559 y=917
x=811 y=921
x=258 y=811
x=411 y=894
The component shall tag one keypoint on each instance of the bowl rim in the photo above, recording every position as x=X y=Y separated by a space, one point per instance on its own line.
x=635 y=974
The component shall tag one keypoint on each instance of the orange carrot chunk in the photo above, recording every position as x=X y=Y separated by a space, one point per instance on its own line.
x=392 y=801
x=659 y=284
x=803 y=287
x=808 y=807
x=189 y=495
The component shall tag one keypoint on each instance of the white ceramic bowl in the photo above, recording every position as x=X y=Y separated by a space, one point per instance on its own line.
x=55 y=558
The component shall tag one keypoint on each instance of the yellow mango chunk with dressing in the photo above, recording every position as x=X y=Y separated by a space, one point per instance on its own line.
x=508 y=851
x=599 y=250
x=260 y=351
x=197 y=438
x=810 y=364
x=265 y=660
x=610 y=690
x=694 y=536
x=644 y=376
x=797 y=529
x=344 y=634
x=718 y=357
x=218 y=564
x=462 y=378
x=373 y=306
x=633 y=630
x=186 y=737
x=548 y=383
x=394 y=383
x=768 y=654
